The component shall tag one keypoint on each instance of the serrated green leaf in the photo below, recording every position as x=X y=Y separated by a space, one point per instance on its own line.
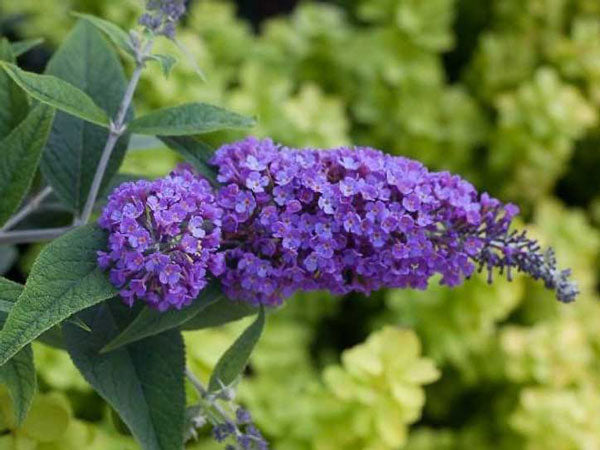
x=18 y=375
x=85 y=60
x=10 y=292
x=195 y=152
x=234 y=360
x=143 y=382
x=14 y=101
x=20 y=154
x=166 y=63
x=189 y=119
x=21 y=47
x=118 y=36
x=219 y=313
x=64 y=280
x=150 y=322
x=57 y=93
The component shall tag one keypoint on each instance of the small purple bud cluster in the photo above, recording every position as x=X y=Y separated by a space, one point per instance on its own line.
x=357 y=220
x=163 y=239
x=161 y=16
x=242 y=431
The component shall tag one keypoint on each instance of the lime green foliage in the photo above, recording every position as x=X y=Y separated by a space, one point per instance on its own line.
x=377 y=390
x=51 y=426
x=544 y=115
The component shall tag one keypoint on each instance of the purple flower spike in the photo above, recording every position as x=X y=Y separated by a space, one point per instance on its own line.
x=358 y=220
x=163 y=239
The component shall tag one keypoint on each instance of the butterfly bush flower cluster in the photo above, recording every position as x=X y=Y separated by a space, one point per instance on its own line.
x=284 y=219
x=164 y=238
x=358 y=220
x=161 y=16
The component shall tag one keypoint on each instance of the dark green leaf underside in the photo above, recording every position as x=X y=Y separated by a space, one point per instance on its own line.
x=219 y=313
x=18 y=375
x=20 y=154
x=150 y=322
x=143 y=382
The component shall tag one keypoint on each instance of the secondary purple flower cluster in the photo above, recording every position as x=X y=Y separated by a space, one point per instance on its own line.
x=163 y=239
x=161 y=16
x=242 y=431
x=357 y=220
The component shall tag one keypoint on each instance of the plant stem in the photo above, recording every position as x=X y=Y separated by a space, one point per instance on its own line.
x=196 y=383
x=27 y=209
x=117 y=129
x=30 y=236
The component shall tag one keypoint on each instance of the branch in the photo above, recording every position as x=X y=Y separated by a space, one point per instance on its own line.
x=30 y=236
x=117 y=128
x=27 y=209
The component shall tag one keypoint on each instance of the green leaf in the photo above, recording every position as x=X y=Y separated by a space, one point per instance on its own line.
x=166 y=63
x=150 y=322
x=14 y=101
x=220 y=313
x=18 y=375
x=9 y=292
x=20 y=154
x=21 y=47
x=57 y=93
x=88 y=62
x=65 y=279
x=189 y=119
x=143 y=382
x=234 y=360
x=195 y=152
x=117 y=35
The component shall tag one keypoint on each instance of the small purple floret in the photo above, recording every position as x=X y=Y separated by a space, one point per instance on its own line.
x=163 y=239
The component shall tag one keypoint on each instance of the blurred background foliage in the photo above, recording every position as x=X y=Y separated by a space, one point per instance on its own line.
x=503 y=92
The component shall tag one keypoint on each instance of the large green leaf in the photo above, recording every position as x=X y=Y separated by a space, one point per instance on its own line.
x=234 y=360
x=150 y=322
x=189 y=119
x=195 y=152
x=219 y=313
x=117 y=35
x=20 y=154
x=9 y=293
x=57 y=93
x=64 y=280
x=18 y=375
x=143 y=382
x=14 y=101
x=88 y=62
